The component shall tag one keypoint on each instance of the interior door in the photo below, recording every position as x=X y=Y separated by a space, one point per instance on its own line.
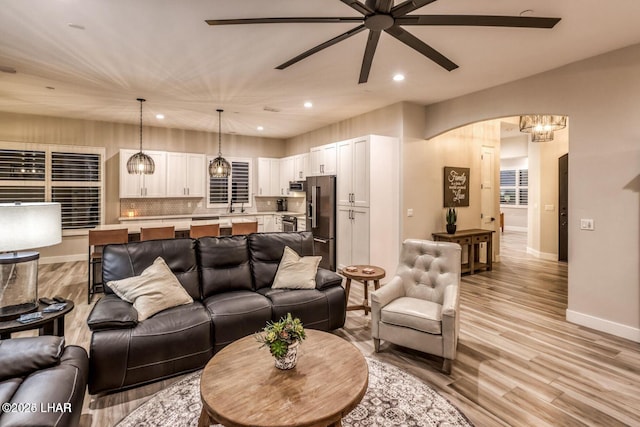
x=563 y=208
x=487 y=193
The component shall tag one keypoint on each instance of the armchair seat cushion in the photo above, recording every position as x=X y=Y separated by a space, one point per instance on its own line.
x=414 y=313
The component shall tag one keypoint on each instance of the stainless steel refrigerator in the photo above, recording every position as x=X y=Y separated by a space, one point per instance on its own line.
x=321 y=217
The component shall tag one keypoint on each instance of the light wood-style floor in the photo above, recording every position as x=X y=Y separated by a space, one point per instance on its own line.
x=519 y=362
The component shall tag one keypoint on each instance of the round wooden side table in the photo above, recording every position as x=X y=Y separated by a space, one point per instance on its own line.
x=50 y=324
x=364 y=274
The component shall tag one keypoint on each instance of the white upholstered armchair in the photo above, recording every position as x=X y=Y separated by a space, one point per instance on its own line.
x=419 y=307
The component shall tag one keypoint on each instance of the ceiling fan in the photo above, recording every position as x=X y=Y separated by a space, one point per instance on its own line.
x=382 y=15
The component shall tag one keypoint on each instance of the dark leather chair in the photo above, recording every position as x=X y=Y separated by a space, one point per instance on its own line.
x=44 y=379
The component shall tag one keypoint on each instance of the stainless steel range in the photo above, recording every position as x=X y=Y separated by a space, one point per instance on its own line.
x=289 y=223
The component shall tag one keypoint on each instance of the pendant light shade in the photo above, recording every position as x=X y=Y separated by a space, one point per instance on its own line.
x=141 y=163
x=219 y=167
x=542 y=126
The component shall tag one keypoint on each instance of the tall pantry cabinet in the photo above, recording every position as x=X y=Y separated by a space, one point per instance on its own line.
x=368 y=202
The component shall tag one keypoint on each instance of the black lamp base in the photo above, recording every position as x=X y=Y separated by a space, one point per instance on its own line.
x=14 y=311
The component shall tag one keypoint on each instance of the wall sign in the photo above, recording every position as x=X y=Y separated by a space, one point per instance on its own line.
x=456 y=186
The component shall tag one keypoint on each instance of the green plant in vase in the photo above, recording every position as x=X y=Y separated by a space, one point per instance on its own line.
x=452 y=218
x=283 y=338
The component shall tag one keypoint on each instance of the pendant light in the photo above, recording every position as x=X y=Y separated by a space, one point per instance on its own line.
x=140 y=163
x=219 y=167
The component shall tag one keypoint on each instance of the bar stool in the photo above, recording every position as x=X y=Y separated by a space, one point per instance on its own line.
x=244 y=227
x=157 y=233
x=97 y=240
x=208 y=230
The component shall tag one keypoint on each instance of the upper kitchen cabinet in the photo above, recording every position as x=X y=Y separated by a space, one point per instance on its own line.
x=287 y=174
x=353 y=164
x=186 y=175
x=323 y=160
x=135 y=185
x=301 y=166
x=268 y=177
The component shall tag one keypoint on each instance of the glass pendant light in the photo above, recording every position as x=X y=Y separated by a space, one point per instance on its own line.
x=219 y=167
x=141 y=163
x=542 y=126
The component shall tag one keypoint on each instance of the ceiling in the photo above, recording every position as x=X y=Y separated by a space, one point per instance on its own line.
x=163 y=51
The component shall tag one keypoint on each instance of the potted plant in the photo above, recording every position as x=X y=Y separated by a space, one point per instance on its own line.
x=283 y=338
x=452 y=217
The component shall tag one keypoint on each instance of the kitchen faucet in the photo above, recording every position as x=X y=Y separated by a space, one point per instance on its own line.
x=242 y=207
x=231 y=207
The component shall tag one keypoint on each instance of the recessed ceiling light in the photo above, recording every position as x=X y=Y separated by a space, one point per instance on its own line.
x=76 y=26
x=159 y=116
x=398 y=77
x=260 y=128
x=308 y=104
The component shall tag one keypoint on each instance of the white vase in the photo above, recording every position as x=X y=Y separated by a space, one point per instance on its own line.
x=288 y=361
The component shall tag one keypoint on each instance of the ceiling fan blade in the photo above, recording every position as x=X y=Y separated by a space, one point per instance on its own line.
x=408 y=6
x=321 y=46
x=417 y=44
x=360 y=7
x=479 y=21
x=383 y=6
x=281 y=20
x=369 y=51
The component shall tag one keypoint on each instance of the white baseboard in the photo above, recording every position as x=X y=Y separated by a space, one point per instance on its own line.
x=542 y=255
x=64 y=258
x=603 y=325
x=514 y=228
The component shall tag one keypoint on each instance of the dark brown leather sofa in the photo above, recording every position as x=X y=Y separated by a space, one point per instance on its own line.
x=42 y=382
x=229 y=279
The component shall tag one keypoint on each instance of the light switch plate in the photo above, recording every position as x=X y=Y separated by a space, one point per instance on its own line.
x=587 y=224
x=409 y=212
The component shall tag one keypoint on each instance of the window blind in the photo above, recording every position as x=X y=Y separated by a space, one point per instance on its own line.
x=80 y=206
x=22 y=165
x=240 y=182
x=79 y=167
x=12 y=194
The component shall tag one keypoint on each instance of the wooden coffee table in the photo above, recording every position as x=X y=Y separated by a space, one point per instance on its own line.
x=359 y=274
x=240 y=386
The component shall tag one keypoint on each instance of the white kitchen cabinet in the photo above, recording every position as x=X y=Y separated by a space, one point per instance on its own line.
x=301 y=166
x=353 y=236
x=287 y=174
x=322 y=160
x=368 y=178
x=268 y=177
x=278 y=222
x=269 y=224
x=353 y=170
x=141 y=185
x=186 y=175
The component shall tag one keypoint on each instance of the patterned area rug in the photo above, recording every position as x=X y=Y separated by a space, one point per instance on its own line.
x=394 y=398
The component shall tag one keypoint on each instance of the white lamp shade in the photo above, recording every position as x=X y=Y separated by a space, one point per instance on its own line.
x=29 y=225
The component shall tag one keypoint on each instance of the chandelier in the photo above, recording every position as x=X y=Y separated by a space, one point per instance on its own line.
x=542 y=126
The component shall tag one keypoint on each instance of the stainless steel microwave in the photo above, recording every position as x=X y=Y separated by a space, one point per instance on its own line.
x=299 y=186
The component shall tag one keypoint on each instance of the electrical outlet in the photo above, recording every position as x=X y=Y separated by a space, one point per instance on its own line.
x=188 y=204
x=268 y=202
x=409 y=212
x=587 y=224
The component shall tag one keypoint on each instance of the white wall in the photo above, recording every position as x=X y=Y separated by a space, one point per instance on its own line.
x=601 y=97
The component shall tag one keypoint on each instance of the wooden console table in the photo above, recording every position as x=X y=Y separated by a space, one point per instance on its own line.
x=471 y=239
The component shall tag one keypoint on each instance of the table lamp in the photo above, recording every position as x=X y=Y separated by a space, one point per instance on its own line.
x=24 y=226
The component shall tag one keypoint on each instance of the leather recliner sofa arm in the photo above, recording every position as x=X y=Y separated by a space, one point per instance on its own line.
x=327 y=278
x=110 y=312
x=22 y=356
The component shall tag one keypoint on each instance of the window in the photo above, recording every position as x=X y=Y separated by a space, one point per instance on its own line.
x=236 y=188
x=69 y=175
x=514 y=189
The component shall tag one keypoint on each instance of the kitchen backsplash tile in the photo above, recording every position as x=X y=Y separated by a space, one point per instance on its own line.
x=154 y=207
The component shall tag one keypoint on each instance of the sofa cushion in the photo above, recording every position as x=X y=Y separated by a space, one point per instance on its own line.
x=154 y=290
x=224 y=264
x=266 y=251
x=414 y=313
x=22 y=356
x=296 y=272
x=131 y=259
x=309 y=305
x=237 y=314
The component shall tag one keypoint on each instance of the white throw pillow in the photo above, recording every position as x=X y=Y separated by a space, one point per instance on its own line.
x=296 y=272
x=156 y=289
